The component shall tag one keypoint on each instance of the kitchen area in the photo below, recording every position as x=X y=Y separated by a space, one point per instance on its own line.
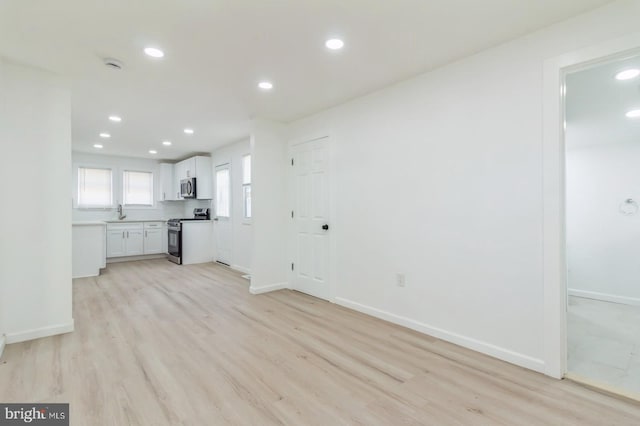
x=127 y=209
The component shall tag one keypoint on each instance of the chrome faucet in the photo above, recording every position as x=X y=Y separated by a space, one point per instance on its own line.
x=120 y=215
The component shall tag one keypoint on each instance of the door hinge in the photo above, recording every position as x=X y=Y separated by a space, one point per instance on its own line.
x=292 y=161
x=292 y=267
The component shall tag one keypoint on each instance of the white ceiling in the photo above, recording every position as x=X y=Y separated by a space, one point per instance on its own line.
x=597 y=104
x=218 y=50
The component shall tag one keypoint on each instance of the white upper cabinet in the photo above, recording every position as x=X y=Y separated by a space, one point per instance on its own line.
x=168 y=188
x=178 y=174
x=190 y=168
x=204 y=182
x=198 y=167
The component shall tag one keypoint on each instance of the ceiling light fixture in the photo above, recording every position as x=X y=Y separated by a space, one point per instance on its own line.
x=188 y=131
x=166 y=143
x=628 y=74
x=153 y=151
x=105 y=135
x=334 y=44
x=115 y=118
x=154 y=52
x=634 y=113
x=98 y=146
x=265 y=85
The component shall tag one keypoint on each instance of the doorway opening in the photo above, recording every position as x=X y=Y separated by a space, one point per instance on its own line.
x=222 y=217
x=602 y=223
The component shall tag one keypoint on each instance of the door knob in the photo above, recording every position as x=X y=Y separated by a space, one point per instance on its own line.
x=325 y=227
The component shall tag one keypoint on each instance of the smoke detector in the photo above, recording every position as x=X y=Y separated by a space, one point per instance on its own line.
x=113 y=63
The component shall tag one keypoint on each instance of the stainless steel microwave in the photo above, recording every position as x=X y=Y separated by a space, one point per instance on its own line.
x=188 y=188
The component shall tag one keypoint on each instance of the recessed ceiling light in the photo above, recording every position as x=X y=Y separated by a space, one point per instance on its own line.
x=628 y=74
x=166 y=143
x=153 y=52
x=634 y=113
x=265 y=85
x=153 y=151
x=334 y=44
x=97 y=146
x=115 y=118
x=188 y=131
x=105 y=135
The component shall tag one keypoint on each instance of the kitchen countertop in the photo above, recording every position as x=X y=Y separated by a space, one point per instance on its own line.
x=135 y=220
x=89 y=223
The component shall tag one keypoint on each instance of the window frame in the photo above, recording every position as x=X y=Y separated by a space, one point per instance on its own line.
x=224 y=166
x=245 y=218
x=153 y=189
x=76 y=186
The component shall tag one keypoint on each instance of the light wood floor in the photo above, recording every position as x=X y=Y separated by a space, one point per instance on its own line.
x=161 y=344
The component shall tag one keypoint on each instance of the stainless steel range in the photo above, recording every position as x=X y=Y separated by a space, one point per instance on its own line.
x=174 y=227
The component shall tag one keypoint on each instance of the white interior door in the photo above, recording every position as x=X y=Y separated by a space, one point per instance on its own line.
x=222 y=217
x=310 y=215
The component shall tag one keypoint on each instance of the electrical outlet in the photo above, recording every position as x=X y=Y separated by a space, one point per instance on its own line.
x=400 y=279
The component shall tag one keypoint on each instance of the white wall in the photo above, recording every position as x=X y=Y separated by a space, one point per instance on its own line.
x=35 y=171
x=440 y=177
x=268 y=155
x=602 y=243
x=242 y=232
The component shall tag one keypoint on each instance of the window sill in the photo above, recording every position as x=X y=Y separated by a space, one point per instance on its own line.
x=137 y=207
x=94 y=208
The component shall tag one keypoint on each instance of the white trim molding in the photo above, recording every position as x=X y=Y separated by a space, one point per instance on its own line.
x=467 y=342
x=268 y=288
x=3 y=340
x=241 y=269
x=553 y=186
x=37 y=333
x=121 y=259
x=634 y=301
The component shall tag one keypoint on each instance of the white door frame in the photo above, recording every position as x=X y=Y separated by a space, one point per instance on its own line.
x=553 y=172
x=332 y=290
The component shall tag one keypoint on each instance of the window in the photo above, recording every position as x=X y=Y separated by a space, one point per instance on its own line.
x=246 y=185
x=137 y=189
x=94 y=187
x=223 y=196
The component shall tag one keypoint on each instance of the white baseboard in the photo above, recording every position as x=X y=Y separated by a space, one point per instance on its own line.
x=241 y=269
x=2 y=343
x=268 y=288
x=605 y=297
x=52 y=330
x=86 y=276
x=507 y=355
x=134 y=258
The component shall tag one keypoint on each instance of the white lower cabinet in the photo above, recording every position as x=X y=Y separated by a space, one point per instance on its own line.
x=168 y=188
x=134 y=239
x=135 y=242
x=153 y=238
x=116 y=243
x=197 y=241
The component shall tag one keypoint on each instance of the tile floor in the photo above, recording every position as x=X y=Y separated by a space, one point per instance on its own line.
x=604 y=342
